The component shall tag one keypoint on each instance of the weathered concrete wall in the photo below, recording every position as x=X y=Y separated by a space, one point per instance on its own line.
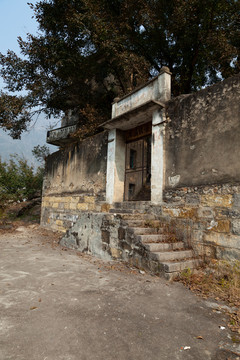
x=107 y=236
x=202 y=138
x=75 y=181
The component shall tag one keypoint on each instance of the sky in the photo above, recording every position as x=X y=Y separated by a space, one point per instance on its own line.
x=16 y=20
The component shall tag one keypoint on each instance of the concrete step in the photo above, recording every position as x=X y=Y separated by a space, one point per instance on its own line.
x=152 y=238
x=127 y=211
x=143 y=223
x=139 y=205
x=172 y=255
x=136 y=216
x=121 y=211
x=144 y=230
x=133 y=223
x=155 y=247
x=153 y=233
x=179 y=266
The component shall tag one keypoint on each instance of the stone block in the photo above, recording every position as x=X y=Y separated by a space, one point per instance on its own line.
x=198 y=249
x=73 y=206
x=205 y=212
x=217 y=200
x=181 y=212
x=105 y=207
x=192 y=199
x=61 y=205
x=67 y=199
x=222 y=213
x=50 y=199
x=59 y=222
x=56 y=199
x=222 y=226
x=61 y=229
x=234 y=213
x=66 y=206
x=227 y=254
x=221 y=239
x=236 y=227
x=116 y=253
x=91 y=206
x=81 y=206
x=236 y=200
x=55 y=205
x=197 y=236
x=74 y=199
x=173 y=212
x=89 y=199
x=189 y=213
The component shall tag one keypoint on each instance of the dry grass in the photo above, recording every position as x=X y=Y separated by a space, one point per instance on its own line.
x=221 y=280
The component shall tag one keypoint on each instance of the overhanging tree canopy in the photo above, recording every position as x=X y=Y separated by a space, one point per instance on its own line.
x=87 y=52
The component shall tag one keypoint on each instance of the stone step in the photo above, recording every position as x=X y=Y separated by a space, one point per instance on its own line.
x=144 y=230
x=127 y=211
x=143 y=223
x=139 y=205
x=153 y=233
x=155 y=247
x=179 y=266
x=136 y=216
x=172 y=255
x=152 y=238
x=121 y=211
x=133 y=223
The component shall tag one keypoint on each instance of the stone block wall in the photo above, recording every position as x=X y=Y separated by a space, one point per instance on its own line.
x=206 y=218
x=61 y=212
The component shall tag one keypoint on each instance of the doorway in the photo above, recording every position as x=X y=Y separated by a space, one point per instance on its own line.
x=138 y=170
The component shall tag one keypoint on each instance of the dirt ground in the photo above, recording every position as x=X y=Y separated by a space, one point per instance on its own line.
x=56 y=304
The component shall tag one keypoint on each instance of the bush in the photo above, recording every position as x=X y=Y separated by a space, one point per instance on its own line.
x=18 y=180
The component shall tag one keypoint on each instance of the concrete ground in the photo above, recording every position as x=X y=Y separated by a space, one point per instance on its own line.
x=57 y=305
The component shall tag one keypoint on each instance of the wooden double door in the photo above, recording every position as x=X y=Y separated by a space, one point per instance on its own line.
x=138 y=170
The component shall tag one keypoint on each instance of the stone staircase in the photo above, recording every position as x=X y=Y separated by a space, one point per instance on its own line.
x=160 y=251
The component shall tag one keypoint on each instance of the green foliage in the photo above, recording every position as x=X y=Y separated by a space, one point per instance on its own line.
x=41 y=152
x=88 y=52
x=18 y=180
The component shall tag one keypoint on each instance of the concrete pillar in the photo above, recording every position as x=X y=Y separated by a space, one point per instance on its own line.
x=164 y=84
x=115 y=167
x=157 y=160
x=158 y=127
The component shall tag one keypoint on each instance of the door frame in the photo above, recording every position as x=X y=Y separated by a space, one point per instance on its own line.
x=143 y=168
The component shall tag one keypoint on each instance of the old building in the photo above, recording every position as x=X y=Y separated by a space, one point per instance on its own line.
x=160 y=186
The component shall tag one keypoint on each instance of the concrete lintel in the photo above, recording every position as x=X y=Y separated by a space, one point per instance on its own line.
x=134 y=117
